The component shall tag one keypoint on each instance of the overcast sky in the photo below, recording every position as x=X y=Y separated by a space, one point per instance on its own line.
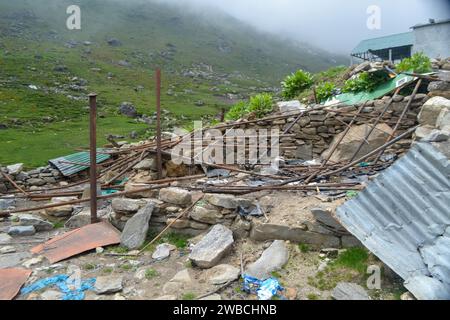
x=336 y=25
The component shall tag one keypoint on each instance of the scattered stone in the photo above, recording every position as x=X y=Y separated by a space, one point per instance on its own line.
x=33 y=261
x=99 y=250
x=206 y=215
x=226 y=201
x=431 y=109
x=38 y=224
x=13 y=259
x=182 y=276
x=272 y=259
x=135 y=231
x=5 y=238
x=51 y=295
x=163 y=251
x=7 y=249
x=114 y=42
x=175 y=196
x=210 y=250
x=108 y=284
x=63 y=211
x=79 y=220
x=146 y=164
x=222 y=274
x=349 y=291
x=126 y=206
x=21 y=231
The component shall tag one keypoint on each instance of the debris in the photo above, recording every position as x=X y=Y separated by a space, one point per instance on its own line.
x=71 y=289
x=135 y=231
x=349 y=291
x=33 y=261
x=108 y=284
x=272 y=259
x=210 y=250
x=11 y=280
x=78 y=241
x=264 y=289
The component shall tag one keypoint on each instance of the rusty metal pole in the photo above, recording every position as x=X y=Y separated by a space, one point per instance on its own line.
x=93 y=155
x=158 y=123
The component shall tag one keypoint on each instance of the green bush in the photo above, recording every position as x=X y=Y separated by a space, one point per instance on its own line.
x=261 y=104
x=324 y=91
x=295 y=83
x=237 y=111
x=365 y=82
x=418 y=63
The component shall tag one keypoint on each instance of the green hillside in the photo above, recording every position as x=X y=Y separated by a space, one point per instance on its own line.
x=209 y=61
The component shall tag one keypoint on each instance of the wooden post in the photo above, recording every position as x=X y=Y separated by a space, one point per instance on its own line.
x=158 y=123
x=93 y=155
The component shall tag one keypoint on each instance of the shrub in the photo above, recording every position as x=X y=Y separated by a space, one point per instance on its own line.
x=324 y=91
x=295 y=83
x=365 y=82
x=237 y=111
x=260 y=104
x=418 y=63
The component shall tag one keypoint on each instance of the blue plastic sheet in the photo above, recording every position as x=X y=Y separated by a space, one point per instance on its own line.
x=65 y=284
x=265 y=290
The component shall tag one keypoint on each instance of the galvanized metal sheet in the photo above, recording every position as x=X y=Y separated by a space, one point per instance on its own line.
x=403 y=217
x=78 y=241
x=11 y=280
x=386 y=42
x=69 y=165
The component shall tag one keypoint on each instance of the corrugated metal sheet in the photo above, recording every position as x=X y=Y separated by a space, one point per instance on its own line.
x=69 y=165
x=392 y=41
x=403 y=217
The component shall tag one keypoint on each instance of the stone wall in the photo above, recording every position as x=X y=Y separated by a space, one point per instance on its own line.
x=35 y=179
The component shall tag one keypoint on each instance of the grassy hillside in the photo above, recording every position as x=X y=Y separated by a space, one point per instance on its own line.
x=209 y=61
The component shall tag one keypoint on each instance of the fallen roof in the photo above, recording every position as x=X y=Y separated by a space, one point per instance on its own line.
x=403 y=218
x=386 y=42
x=71 y=164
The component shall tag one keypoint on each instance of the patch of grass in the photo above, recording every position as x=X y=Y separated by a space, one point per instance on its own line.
x=58 y=225
x=119 y=249
x=312 y=296
x=275 y=274
x=305 y=248
x=126 y=267
x=353 y=258
x=188 y=296
x=151 y=273
x=178 y=240
x=89 y=266
x=107 y=270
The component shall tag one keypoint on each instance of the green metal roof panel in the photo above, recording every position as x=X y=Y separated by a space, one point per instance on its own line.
x=392 y=41
x=69 y=165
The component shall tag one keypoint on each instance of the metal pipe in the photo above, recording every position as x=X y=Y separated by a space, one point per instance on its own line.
x=158 y=123
x=93 y=156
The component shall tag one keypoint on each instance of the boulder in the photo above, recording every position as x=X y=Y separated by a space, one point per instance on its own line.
x=128 y=109
x=352 y=140
x=211 y=249
x=163 y=251
x=135 y=231
x=422 y=132
x=437 y=136
x=5 y=238
x=272 y=259
x=126 y=206
x=62 y=211
x=349 y=291
x=226 y=201
x=175 y=196
x=222 y=274
x=439 y=88
x=326 y=218
x=290 y=106
x=443 y=120
x=431 y=110
x=146 y=164
x=37 y=223
x=108 y=284
x=79 y=220
x=36 y=182
x=138 y=195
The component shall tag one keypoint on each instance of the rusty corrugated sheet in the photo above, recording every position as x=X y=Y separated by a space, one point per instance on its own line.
x=403 y=217
x=11 y=280
x=78 y=241
x=69 y=165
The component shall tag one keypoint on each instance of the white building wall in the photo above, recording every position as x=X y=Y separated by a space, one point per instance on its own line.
x=433 y=40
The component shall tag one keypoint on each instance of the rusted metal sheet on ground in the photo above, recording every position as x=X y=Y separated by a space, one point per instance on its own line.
x=403 y=217
x=78 y=241
x=11 y=280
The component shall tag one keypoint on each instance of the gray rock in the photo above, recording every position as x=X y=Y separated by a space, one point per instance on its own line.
x=326 y=217
x=135 y=231
x=108 y=284
x=146 y=164
x=176 y=196
x=37 y=223
x=5 y=238
x=211 y=249
x=7 y=249
x=79 y=220
x=289 y=106
x=443 y=120
x=423 y=132
x=182 y=276
x=437 y=136
x=126 y=206
x=349 y=291
x=272 y=259
x=206 y=215
x=431 y=109
x=21 y=231
x=222 y=274
x=6 y=203
x=37 y=182
x=163 y=251
x=114 y=42
x=128 y=109
x=226 y=201
x=15 y=168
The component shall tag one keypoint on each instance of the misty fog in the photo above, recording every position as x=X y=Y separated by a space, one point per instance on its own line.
x=330 y=24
